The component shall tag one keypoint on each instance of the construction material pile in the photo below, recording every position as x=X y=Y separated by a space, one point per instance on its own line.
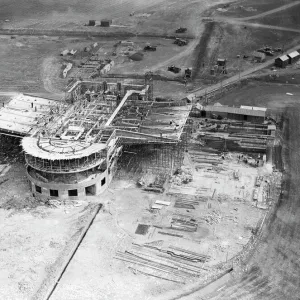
x=154 y=185
x=212 y=218
x=183 y=175
x=184 y=201
x=184 y=223
x=205 y=159
x=170 y=263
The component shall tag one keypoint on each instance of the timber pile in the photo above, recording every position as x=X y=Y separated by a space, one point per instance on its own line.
x=184 y=223
x=172 y=263
x=201 y=157
x=188 y=203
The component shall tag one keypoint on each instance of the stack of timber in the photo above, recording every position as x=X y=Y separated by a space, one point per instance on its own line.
x=202 y=159
x=173 y=264
x=184 y=223
x=182 y=201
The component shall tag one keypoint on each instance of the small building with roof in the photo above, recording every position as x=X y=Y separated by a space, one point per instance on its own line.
x=282 y=61
x=105 y=22
x=234 y=113
x=293 y=56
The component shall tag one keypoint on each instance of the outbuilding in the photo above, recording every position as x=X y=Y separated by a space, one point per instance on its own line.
x=282 y=61
x=293 y=57
x=234 y=113
x=221 y=62
x=106 y=22
x=92 y=22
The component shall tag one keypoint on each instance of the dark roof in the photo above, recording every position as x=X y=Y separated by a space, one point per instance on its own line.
x=235 y=110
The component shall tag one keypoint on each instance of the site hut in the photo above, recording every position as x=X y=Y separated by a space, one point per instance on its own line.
x=92 y=22
x=221 y=62
x=235 y=113
x=293 y=57
x=106 y=22
x=282 y=61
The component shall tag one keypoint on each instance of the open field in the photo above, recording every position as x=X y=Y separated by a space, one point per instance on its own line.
x=154 y=17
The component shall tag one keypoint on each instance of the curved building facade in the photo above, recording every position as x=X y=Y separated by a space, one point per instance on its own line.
x=73 y=172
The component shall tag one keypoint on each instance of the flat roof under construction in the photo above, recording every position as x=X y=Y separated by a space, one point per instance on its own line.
x=22 y=113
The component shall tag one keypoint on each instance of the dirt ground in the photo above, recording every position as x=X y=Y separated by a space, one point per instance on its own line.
x=225 y=227
x=271 y=271
x=33 y=237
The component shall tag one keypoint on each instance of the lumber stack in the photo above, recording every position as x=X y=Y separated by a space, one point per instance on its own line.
x=172 y=263
x=187 y=202
x=184 y=223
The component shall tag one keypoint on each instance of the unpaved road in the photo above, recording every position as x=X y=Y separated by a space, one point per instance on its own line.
x=257 y=25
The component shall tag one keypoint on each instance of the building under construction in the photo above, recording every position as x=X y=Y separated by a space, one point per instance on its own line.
x=72 y=147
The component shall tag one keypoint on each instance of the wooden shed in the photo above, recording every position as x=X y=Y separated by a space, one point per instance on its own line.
x=282 y=61
x=293 y=57
x=106 y=22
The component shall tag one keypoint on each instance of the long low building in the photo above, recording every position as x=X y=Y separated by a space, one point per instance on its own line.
x=235 y=113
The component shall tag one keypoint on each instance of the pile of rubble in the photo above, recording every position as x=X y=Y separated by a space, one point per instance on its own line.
x=183 y=175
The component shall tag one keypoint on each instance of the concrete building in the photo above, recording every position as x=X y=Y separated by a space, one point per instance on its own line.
x=282 y=61
x=72 y=149
x=293 y=57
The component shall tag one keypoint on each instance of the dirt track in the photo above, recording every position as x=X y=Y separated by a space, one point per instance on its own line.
x=257 y=25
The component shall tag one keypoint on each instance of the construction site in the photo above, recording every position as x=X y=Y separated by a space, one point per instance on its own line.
x=139 y=160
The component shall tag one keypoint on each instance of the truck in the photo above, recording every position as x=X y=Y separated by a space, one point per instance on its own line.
x=174 y=69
